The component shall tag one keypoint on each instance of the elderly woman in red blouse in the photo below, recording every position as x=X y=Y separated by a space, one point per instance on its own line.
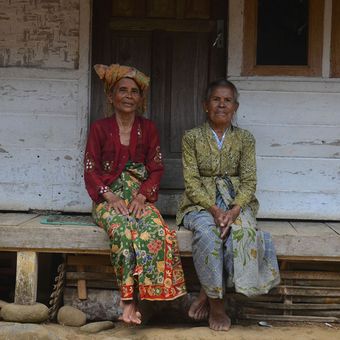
x=123 y=168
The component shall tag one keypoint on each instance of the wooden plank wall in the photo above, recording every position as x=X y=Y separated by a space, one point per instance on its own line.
x=44 y=60
x=296 y=123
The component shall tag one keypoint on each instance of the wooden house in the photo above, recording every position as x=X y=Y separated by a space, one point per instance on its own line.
x=49 y=93
x=284 y=57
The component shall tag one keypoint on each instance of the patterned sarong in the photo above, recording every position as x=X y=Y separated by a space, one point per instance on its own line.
x=246 y=260
x=144 y=252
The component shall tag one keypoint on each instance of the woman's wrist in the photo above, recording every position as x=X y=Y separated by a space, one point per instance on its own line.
x=141 y=197
x=108 y=196
x=214 y=209
x=236 y=209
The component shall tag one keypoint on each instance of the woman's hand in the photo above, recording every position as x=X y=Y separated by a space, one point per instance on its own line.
x=116 y=203
x=224 y=219
x=137 y=205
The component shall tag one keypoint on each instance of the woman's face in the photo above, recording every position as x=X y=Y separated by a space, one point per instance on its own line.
x=125 y=97
x=221 y=107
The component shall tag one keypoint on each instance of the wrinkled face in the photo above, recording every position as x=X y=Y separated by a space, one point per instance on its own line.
x=221 y=107
x=126 y=96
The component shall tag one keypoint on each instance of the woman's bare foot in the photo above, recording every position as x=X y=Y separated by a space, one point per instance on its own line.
x=199 y=309
x=131 y=313
x=218 y=319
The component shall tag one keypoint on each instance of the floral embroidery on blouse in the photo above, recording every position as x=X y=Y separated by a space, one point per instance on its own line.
x=89 y=163
x=152 y=191
x=158 y=157
x=107 y=166
x=103 y=189
x=139 y=131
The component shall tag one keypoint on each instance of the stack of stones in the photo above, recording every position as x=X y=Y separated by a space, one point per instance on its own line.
x=38 y=313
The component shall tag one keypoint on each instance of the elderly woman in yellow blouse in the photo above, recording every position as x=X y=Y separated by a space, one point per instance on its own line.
x=219 y=206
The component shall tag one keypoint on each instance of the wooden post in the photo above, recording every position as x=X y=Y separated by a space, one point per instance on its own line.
x=26 y=278
x=81 y=284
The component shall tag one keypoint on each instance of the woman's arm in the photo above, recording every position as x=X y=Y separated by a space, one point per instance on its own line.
x=92 y=164
x=93 y=173
x=247 y=172
x=154 y=165
x=192 y=179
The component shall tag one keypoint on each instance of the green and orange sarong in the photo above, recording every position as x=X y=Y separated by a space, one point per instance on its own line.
x=144 y=252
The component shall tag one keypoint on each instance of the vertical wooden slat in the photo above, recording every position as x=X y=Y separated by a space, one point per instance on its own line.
x=81 y=285
x=26 y=278
x=335 y=45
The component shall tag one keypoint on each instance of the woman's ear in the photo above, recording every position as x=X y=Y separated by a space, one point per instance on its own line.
x=205 y=107
x=109 y=98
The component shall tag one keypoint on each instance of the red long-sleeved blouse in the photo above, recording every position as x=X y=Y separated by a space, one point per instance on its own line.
x=106 y=157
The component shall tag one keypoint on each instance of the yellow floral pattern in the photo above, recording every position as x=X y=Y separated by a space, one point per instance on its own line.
x=144 y=252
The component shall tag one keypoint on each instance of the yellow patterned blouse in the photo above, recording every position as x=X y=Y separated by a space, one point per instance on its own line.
x=203 y=162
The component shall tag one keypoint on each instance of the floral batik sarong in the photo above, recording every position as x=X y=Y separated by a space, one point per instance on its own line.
x=144 y=252
x=246 y=260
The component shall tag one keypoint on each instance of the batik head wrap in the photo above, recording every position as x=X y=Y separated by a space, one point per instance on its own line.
x=113 y=73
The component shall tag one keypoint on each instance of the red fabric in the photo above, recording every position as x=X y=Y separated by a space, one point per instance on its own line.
x=106 y=157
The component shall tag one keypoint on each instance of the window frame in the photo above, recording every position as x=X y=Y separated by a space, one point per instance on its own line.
x=315 y=44
x=335 y=40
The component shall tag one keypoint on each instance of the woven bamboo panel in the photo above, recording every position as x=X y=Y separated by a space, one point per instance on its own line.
x=309 y=291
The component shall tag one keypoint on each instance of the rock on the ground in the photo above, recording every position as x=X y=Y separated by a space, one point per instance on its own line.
x=70 y=316
x=3 y=303
x=95 y=327
x=18 y=331
x=100 y=304
x=35 y=313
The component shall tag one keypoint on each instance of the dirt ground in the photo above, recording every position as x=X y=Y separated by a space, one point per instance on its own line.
x=278 y=331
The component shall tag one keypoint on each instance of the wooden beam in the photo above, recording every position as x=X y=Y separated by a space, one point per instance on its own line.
x=310 y=275
x=27 y=278
x=290 y=318
x=170 y=25
x=81 y=285
x=36 y=237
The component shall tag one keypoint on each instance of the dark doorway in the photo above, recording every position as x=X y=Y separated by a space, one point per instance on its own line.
x=181 y=45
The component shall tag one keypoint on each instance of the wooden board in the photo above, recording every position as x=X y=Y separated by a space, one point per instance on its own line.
x=26 y=283
x=335 y=226
x=93 y=240
x=15 y=218
x=277 y=227
x=314 y=229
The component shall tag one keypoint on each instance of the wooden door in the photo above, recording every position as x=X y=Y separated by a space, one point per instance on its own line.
x=173 y=41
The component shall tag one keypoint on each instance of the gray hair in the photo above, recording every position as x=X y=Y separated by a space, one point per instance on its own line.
x=221 y=83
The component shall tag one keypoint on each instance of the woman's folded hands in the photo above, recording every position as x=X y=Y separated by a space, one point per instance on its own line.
x=136 y=207
x=224 y=219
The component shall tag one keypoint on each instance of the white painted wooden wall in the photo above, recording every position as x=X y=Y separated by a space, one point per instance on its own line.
x=44 y=77
x=296 y=122
x=44 y=104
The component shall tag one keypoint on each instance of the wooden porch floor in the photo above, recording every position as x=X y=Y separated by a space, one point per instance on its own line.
x=22 y=231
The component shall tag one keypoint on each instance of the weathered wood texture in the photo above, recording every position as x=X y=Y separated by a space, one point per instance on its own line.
x=296 y=123
x=174 y=40
x=27 y=278
x=44 y=103
x=297 y=169
x=307 y=292
x=307 y=239
x=15 y=218
x=103 y=304
x=335 y=49
x=39 y=34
